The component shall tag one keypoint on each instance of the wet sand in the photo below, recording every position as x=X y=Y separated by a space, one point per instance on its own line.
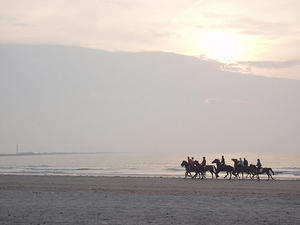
x=129 y=200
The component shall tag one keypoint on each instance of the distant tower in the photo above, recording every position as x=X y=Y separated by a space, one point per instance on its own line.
x=17 y=150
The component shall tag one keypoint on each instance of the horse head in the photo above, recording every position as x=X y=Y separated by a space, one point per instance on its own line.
x=217 y=161
x=184 y=163
x=235 y=161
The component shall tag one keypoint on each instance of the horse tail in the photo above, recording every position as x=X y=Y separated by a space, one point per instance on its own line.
x=272 y=171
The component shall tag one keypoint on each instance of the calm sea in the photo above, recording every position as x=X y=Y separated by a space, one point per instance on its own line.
x=135 y=164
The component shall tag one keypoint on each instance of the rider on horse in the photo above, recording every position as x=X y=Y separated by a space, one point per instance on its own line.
x=190 y=161
x=203 y=162
x=245 y=162
x=241 y=162
x=258 y=165
x=222 y=161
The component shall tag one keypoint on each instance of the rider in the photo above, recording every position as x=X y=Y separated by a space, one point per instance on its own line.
x=259 y=166
x=203 y=162
x=190 y=161
x=245 y=162
x=223 y=161
x=241 y=162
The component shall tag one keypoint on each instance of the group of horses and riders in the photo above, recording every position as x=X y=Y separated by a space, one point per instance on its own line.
x=240 y=167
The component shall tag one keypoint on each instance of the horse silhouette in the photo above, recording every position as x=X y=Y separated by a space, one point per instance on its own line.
x=241 y=169
x=228 y=169
x=255 y=171
x=202 y=169
x=188 y=169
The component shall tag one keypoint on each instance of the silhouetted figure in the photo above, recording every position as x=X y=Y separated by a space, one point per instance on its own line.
x=190 y=161
x=245 y=162
x=226 y=168
x=203 y=162
x=258 y=165
x=223 y=160
x=241 y=162
x=201 y=170
x=188 y=169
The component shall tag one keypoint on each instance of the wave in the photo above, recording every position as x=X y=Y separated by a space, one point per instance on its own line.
x=288 y=172
x=175 y=169
x=289 y=168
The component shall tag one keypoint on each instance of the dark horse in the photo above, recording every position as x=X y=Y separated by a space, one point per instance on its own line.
x=188 y=169
x=200 y=169
x=228 y=169
x=255 y=171
x=241 y=169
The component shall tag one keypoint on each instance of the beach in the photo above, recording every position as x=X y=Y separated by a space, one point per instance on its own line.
x=26 y=199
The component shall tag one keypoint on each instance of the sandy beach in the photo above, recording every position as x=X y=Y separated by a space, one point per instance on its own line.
x=129 y=200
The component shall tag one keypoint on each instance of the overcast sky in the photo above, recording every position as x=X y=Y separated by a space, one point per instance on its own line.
x=261 y=37
x=79 y=75
x=56 y=98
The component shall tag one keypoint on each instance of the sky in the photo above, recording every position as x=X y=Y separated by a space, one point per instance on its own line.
x=140 y=75
x=72 y=99
x=257 y=37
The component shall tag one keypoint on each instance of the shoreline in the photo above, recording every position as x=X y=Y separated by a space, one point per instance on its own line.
x=262 y=177
x=153 y=185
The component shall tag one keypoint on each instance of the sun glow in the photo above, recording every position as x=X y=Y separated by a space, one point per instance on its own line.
x=223 y=46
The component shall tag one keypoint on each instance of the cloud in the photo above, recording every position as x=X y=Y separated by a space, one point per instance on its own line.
x=272 y=64
x=287 y=69
x=246 y=25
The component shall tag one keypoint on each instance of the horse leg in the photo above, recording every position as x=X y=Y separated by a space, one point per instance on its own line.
x=194 y=175
x=272 y=177
x=230 y=175
x=212 y=175
x=226 y=174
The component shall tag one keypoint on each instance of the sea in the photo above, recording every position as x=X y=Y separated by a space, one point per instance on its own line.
x=132 y=164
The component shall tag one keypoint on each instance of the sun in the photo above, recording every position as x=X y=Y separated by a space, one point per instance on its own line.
x=222 y=46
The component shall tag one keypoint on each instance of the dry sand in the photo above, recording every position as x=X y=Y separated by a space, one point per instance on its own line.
x=128 y=200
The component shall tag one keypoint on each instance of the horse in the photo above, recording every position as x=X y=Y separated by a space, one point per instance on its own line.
x=255 y=171
x=228 y=169
x=202 y=169
x=240 y=169
x=188 y=169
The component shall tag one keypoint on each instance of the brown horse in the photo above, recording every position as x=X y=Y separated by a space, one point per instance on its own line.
x=189 y=169
x=228 y=169
x=240 y=169
x=202 y=169
x=255 y=171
